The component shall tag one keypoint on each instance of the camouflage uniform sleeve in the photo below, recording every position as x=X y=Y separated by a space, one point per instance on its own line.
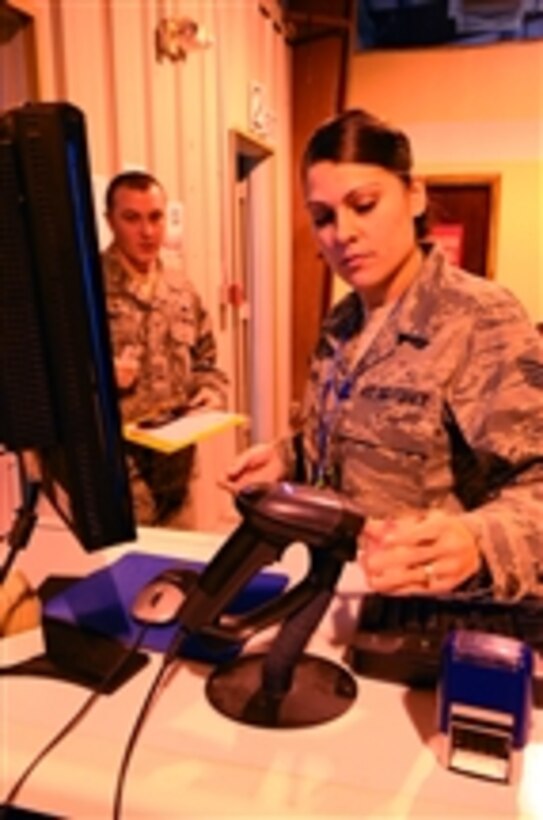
x=205 y=372
x=498 y=402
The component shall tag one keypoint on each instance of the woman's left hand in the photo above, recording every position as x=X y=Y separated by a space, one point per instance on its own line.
x=431 y=553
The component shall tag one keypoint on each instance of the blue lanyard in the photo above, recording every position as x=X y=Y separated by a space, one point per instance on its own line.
x=334 y=390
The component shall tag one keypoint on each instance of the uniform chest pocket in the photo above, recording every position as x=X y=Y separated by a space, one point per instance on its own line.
x=397 y=419
x=126 y=321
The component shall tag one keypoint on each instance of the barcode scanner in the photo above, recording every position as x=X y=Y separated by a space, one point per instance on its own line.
x=274 y=517
x=285 y=687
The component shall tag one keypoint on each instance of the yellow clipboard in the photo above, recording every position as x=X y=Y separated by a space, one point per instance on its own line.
x=180 y=433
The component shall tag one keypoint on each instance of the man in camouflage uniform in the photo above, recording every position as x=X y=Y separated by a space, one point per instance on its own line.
x=163 y=346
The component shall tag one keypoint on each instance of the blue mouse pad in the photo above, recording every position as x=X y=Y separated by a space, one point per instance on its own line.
x=102 y=602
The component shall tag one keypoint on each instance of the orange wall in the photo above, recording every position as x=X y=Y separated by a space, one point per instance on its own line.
x=473 y=111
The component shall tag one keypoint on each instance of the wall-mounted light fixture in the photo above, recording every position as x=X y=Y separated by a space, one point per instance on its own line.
x=176 y=36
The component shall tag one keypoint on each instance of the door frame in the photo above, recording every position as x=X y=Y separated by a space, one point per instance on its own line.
x=247 y=154
x=464 y=182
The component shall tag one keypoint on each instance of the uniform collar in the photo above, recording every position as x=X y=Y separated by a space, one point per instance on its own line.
x=417 y=314
x=412 y=319
x=141 y=285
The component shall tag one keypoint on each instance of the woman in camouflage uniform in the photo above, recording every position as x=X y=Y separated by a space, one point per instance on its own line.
x=425 y=394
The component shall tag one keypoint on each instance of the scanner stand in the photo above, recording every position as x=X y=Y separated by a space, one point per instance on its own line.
x=284 y=688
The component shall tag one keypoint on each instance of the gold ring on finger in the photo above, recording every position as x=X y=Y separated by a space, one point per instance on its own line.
x=429 y=575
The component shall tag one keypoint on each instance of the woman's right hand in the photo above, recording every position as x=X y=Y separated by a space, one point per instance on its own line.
x=262 y=462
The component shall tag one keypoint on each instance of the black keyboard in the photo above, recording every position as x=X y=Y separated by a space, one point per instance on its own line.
x=400 y=638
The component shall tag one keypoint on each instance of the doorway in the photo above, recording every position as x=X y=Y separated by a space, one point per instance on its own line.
x=248 y=319
x=247 y=294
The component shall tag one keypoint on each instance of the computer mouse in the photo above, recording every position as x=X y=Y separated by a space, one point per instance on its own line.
x=159 y=600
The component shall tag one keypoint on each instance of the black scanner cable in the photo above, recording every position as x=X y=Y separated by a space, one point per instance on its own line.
x=73 y=721
x=172 y=651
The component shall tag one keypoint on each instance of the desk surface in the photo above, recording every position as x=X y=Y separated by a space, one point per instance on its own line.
x=378 y=760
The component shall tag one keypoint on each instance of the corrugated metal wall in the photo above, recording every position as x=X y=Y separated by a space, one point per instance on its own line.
x=174 y=118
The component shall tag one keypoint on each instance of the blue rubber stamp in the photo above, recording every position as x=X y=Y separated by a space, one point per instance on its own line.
x=484 y=703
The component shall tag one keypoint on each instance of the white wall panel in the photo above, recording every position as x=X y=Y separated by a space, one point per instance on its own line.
x=128 y=128
x=86 y=72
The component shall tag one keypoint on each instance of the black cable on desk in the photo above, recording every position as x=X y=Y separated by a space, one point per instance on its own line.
x=169 y=656
x=25 y=520
x=72 y=722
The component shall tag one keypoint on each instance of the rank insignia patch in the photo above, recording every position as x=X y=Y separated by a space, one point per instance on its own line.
x=532 y=370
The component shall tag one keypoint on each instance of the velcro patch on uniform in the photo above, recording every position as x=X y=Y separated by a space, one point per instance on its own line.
x=532 y=370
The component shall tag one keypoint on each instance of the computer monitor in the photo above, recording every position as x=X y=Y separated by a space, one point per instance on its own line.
x=58 y=397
